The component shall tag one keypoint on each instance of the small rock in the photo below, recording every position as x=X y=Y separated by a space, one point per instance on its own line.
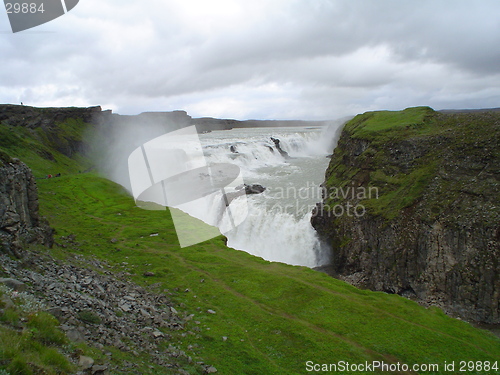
x=126 y=307
x=85 y=363
x=224 y=338
x=148 y=274
x=211 y=370
x=156 y=334
x=75 y=336
x=14 y=284
x=211 y=311
x=99 y=369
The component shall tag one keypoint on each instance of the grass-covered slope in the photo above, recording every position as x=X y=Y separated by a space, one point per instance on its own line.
x=47 y=149
x=275 y=317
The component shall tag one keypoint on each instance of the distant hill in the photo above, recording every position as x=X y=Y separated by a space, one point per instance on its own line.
x=469 y=110
x=209 y=123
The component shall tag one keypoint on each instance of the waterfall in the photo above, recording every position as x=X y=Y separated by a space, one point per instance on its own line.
x=269 y=230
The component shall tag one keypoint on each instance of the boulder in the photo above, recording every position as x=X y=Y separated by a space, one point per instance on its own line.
x=243 y=190
x=254 y=189
x=85 y=363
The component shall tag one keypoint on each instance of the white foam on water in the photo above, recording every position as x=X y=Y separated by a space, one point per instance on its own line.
x=270 y=231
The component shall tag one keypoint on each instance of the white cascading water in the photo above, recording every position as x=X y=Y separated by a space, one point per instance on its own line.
x=277 y=227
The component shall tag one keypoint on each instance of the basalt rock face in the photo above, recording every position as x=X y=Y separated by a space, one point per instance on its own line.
x=20 y=222
x=430 y=227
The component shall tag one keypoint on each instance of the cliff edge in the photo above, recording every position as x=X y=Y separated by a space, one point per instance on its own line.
x=412 y=206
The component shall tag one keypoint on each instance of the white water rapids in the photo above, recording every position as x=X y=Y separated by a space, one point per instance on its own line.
x=277 y=226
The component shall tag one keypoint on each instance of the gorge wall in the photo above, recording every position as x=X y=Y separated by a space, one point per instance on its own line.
x=20 y=222
x=432 y=231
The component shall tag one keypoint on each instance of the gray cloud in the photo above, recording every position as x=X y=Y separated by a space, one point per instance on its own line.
x=259 y=59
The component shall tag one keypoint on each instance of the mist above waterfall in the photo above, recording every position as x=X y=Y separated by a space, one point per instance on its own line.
x=114 y=140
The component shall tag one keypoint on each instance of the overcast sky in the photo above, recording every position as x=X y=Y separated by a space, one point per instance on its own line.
x=265 y=59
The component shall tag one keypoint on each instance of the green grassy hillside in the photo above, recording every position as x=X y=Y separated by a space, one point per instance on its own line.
x=417 y=154
x=41 y=148
x=270 y=318
x=276 y=317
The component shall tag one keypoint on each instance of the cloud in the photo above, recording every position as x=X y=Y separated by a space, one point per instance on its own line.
x=258 y=59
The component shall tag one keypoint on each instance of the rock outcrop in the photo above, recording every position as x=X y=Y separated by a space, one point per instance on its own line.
x=282 y=152
x=423 y=191
x=60 y=129
x=20 y=222
x=244 y=189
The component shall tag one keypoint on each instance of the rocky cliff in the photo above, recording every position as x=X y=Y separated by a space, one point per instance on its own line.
x=57 y=128
x=412 y=206
x=33 y=117
x=20 y=222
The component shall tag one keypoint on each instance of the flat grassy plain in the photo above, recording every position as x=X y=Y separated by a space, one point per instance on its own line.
x=270 y=318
